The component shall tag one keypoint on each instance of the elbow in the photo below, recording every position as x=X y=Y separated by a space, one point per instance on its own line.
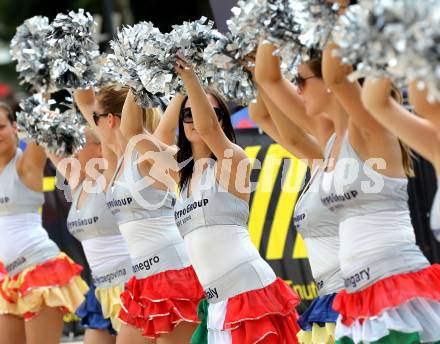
x=262 y=77
x=376 y=103
x=254 y=113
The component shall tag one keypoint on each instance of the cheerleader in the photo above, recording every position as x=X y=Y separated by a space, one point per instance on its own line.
x=244 y=301
x=422 y=134
x=41 y=283
x=90 y=222
x=160 y=300
x=391 y=291
x=311 y=123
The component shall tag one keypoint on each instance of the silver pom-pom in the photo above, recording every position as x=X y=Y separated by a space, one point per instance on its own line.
x=59 y=132
x=317 y=19
x=421 y=46
x=28 y=48
x=73 y=50
x=273 y=21
x=144 y=58
x=190 y=40
x=379 y=36
x=127 y=63
x=225 y=63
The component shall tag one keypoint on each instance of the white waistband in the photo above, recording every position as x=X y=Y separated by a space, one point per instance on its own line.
x=248 y=276
x=400 y=260
x=172 y=257
x=117 y=275
x=35 y=255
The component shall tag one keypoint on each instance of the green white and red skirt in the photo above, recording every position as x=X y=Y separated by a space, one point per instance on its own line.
x=401 y=309
x=264 y=316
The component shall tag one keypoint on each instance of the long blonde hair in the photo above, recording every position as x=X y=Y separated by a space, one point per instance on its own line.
x=152 y=118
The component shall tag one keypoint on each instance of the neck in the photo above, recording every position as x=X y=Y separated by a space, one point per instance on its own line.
x=339 y=118
x=7 y=156
x=200 y=151
x=325 y=129
x=118 y=147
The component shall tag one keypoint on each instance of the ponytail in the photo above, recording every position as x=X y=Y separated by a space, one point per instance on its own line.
x=151 y=119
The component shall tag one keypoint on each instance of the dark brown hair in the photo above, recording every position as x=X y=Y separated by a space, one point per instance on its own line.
x=185 y=151
x=9 y=113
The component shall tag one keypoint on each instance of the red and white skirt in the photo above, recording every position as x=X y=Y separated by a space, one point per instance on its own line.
x=403 y=308
x=158 y=303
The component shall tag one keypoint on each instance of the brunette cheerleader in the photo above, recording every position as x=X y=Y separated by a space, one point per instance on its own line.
x=244 y=301
x=41 y=283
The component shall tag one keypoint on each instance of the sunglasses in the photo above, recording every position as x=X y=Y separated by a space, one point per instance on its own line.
x=97 y=116
x=300 y=81
x=186 y=114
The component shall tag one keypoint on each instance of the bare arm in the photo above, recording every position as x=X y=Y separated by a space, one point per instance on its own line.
x=419 y=99
x=131 y=118
x=166 y=130
x=348 y=93
x=30 y=166
x=209 y=128
x=144 y=142
x=204 y=118
x=85 y=99
x=295 y=140
x=281 y=91
x=417 y=132
x=259 y=114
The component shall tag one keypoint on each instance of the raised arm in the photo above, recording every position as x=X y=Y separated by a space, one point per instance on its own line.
x=166 y=130
x=204 y=118
x=293 y=138
x=419 y=99
x=281 y=91
x=155 y=153
x=209 y=128
x=85 y=99
x=348 y=93
x=417 y=132
x=132 y=122
x=259 y=114
x=30 y=166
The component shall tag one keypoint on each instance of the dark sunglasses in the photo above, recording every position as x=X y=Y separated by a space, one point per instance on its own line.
x=186 y=114
x=96 y=116
x=300 y=81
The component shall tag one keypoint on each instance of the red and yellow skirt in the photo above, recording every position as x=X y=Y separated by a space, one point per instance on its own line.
x=54 y=283
x=403 y=308
x=158 y=303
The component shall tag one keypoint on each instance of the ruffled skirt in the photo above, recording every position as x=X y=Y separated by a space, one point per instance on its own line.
x=91 y=314
x=54 y=283
x=157 y=304
x=318 y=321
x=265 y=316
x=403 y=308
